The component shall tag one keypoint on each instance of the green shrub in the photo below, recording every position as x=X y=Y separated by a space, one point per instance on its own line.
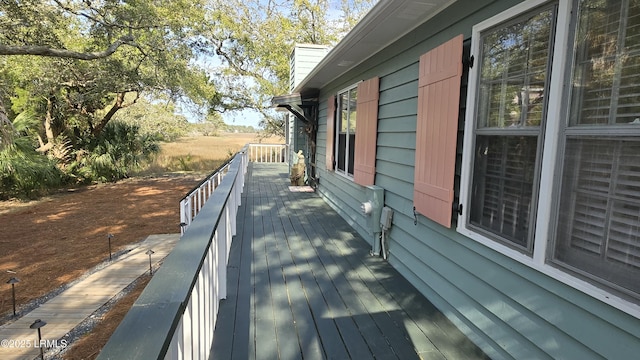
x=24 y=173
x=117 y=152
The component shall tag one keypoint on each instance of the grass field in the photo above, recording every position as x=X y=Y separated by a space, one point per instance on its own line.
x=201 y=153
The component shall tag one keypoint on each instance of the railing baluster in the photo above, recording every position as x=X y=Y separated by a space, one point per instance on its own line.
x=268 y=153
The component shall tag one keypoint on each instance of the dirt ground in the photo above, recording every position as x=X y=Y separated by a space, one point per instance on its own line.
x=50 y=242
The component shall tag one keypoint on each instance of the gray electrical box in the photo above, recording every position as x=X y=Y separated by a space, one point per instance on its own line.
x=386 y=216
x=372 y=208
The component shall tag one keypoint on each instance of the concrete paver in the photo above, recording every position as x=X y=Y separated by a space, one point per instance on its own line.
x=75 y=304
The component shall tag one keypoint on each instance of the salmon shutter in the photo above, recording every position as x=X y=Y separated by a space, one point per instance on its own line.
x=331 y=126
x=436 y=130
x=364 y=170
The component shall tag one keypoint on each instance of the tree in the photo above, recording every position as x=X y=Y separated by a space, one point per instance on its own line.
x=254 y=39
x=90 y=56
x=74 y=64
x=155 y=118
x=134 y=47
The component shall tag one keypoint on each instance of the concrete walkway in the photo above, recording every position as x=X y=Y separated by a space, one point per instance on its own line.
x=75 y=304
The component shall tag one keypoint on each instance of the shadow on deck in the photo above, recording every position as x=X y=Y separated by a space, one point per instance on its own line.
x=301 y=285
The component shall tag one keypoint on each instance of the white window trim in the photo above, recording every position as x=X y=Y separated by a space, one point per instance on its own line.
x=555 y=112
x=345 y=174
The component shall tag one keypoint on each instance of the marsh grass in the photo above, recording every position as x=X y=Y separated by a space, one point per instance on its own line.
x=200 y=153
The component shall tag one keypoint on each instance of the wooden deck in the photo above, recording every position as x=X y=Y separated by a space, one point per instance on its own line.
x=303 y=286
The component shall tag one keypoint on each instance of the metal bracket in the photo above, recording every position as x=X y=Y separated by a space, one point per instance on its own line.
x=468 y=62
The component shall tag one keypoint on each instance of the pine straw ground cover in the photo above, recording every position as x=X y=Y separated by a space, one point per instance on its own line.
x=53 y=241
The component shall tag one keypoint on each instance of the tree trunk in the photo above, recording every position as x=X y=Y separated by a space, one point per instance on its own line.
x=119 y=104
x=6 y=127
x=48 y=131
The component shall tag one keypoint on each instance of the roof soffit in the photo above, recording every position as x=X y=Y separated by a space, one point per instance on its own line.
x=386 y=22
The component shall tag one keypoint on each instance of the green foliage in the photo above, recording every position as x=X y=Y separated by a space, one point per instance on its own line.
x=155 y=118
x=115 y=154
x=254 y=40
x=184 y=163
x=24 y=173
x=241 y=129
x=119 y=150
x=157 y=41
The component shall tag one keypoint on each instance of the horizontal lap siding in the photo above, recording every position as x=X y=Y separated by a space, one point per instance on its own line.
x=342 y=194
x=508 y=309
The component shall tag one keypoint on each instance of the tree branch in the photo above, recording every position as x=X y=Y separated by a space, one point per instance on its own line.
x=232 y=62
x=64 y=53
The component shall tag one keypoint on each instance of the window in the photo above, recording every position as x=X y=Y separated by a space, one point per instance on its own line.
x=346 y=134
x=356 y=158
x=512 y=87
x=600 y=235
x=551 y=154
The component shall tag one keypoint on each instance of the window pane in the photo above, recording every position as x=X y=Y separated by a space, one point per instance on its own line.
x=606 y=76
x=503 y=183
x=352 y=151
x=344 y=112
x=342 y=143
x=353 y=98
x=345 y=138
x=599 y=218
x=514 y=72
x=629 y=94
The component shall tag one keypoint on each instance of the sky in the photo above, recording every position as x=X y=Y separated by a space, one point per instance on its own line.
x=245 y=117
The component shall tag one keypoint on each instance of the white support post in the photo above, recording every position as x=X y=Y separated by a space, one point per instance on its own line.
x=222 y=262
x=189 y=209
x=183 y=215
x=208 y=299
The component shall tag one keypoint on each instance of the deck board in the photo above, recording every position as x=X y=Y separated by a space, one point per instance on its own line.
x=303 y=286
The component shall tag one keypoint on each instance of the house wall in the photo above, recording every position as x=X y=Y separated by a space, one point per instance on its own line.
x=302 y=61
x=507 y=308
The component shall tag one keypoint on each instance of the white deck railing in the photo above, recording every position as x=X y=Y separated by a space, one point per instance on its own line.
x=191 y=204
x=269 y=153
x=175 y=316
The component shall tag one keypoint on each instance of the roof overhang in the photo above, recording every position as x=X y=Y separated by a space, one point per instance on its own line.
x=386 y=22
x=297 y=105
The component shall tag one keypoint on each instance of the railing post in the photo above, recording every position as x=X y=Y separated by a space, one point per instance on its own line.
x=208 y=309
x=183 y=215
x=222 y=262
x=189 y=209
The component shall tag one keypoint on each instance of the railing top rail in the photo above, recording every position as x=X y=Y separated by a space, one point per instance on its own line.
x=147 y=329
x=215 y=172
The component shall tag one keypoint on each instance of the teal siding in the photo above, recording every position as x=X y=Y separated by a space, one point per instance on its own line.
x=508 y=309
